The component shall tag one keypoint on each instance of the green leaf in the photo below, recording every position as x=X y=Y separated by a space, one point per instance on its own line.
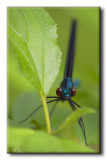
x=74 y=116
x=29 y=141
x=32 y=35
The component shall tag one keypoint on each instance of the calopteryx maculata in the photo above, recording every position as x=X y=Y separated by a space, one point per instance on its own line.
x=67 y=87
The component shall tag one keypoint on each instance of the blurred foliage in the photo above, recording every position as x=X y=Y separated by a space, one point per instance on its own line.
x=23 y=97
x=43 y=144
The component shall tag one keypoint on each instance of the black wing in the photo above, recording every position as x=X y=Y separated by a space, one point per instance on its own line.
x=70 y=56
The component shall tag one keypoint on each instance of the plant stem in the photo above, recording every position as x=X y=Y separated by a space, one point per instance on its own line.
x=46 y=113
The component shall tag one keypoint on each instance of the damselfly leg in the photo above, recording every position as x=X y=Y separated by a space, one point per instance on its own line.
x=80 y=121
x=36 y=110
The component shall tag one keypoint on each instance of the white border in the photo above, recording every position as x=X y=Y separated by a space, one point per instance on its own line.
x=3 y=74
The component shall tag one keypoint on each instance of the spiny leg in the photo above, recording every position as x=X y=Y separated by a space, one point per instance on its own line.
x=73 y=107
x=76 y=104
x=80 y=121
x=36 y=110
x=52 y=97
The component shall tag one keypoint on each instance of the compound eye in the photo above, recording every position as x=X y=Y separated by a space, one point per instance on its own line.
x=73 y=92
x=59 y=92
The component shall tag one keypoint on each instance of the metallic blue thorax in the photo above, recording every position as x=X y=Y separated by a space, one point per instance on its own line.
x=66 y=86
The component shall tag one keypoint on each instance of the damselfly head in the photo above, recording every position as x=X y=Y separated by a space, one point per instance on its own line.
x=66 y=92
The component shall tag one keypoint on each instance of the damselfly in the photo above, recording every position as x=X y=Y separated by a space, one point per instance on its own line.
x=67 y=87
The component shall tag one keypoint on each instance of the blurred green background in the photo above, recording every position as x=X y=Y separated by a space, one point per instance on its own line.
x=23 y=98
